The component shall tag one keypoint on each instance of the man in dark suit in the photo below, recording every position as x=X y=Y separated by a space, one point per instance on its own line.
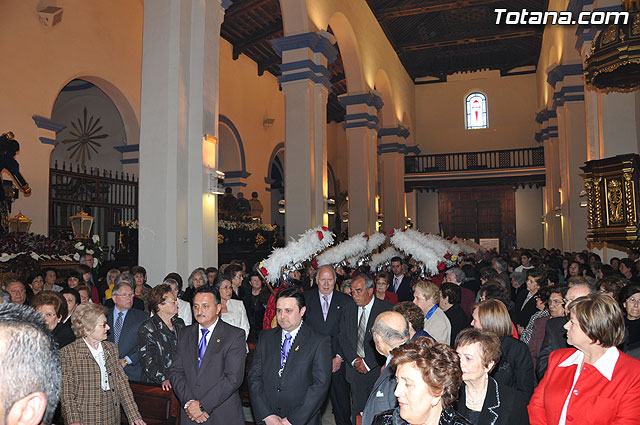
x=124 y=322
x=390 y=330
x=208 y=366
x=555 y=336
x=291 y=370
x=400 y=284
x=356 y=342
x=324 y=310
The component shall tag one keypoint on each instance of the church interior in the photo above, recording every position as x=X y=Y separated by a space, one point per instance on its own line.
x=359 y=115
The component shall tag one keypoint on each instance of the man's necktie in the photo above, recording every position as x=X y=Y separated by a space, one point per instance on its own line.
x=286 y=346
x=362 y=330
x=325 y=306
x=117 y=328
x=395 y=284
x=202 y=347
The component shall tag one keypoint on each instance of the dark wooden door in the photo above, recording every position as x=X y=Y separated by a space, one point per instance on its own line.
x=476 y=213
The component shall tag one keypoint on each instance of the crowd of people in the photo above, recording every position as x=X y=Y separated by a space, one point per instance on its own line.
x=536 y=337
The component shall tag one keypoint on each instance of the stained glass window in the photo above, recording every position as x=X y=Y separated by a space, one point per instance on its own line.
x=476 y=109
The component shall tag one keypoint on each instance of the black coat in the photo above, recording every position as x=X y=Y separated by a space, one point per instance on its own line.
x=458 y=320
x=331 y=326
x=523 y=314
x=515 y=369
x=447 y=417
x=63 y=335
x=300 y=390
x=156 y=346
x=128 y=343
x=502 y=405
x=403 y=291
x=555 y=337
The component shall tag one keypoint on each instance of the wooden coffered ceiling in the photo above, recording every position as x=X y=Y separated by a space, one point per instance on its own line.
x=433 y=38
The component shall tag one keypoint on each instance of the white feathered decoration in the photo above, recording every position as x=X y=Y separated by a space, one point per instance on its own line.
x=308 y=244
x=412 y=247
x=468 y=246
x=352 y=247
x=373 y=242
x=383 y=257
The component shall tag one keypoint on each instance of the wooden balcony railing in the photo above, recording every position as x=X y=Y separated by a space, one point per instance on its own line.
x=468 y=161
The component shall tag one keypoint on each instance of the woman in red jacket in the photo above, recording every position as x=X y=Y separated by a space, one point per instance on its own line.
x=594 y=383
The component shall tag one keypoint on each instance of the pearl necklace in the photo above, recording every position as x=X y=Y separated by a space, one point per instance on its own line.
x=479 y=401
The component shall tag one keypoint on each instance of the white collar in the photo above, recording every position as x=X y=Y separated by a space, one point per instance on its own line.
x=605 y=364
x=293 y=333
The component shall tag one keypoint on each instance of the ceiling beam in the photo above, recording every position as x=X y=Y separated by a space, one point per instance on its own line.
x=471 y=40
x=268 y=63
x=251 y=40
x=437 y=6
x=239 y=9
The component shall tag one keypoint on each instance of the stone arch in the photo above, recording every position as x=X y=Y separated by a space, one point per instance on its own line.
x=383 y=87
x=231 y=153
x=275 y=182
x=129 y=117
x=350 y=52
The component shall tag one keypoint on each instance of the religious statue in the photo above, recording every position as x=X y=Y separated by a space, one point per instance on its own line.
x=8 y=149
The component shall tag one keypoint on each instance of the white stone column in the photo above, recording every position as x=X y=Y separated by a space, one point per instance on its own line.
x=305 y=83
x=391 y=148
x=179 y=106
x=361 y=124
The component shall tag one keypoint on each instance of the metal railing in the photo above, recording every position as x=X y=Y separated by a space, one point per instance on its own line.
x=467 y=161
x=109 y=197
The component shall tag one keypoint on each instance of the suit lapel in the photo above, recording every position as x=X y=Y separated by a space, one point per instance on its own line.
x=491 y=403
x=297 y=347
x=333 y=308
x=214 y=345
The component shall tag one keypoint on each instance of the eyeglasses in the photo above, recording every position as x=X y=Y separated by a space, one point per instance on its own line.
x=558 y=301
x=633 y=300
x=124 y=295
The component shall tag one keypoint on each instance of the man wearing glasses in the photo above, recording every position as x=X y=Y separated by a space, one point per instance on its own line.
x=555 y=336
x=124 y=323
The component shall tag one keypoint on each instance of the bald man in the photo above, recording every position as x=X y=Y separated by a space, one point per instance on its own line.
x=390 y=330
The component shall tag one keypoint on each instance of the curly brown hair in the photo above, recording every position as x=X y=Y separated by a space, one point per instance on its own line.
x=439 y=364
x=51 y=298
x=156 y=296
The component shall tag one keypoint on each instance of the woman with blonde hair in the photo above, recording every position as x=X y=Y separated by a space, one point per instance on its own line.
x=515 y=368
x=426 y=295
x=94 y=384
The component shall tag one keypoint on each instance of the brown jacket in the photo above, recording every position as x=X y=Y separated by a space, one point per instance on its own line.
x=81 y=395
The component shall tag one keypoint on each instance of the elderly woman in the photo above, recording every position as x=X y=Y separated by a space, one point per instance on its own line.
x=158 y=336
x=515 y=369
x=197 y=278
x=426 y=295
x=383 y=279
x=53 y=308
x=630 y=299
x=594 y=382
x=482 y=400
x=553 y=299
x=429 y=376
x=233 y=311
x=94 y=384
x=184 y=308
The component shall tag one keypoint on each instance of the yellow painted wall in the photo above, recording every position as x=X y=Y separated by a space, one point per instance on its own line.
x=247 y=99
x=511 y=101
x=95 y=40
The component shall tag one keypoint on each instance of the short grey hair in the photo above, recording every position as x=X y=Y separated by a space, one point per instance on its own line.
x=29 y=357
x=389 y=334
x=500 y=264
x=195 y=272
x=458 y=273
x=368 y=280
x=121 y=282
